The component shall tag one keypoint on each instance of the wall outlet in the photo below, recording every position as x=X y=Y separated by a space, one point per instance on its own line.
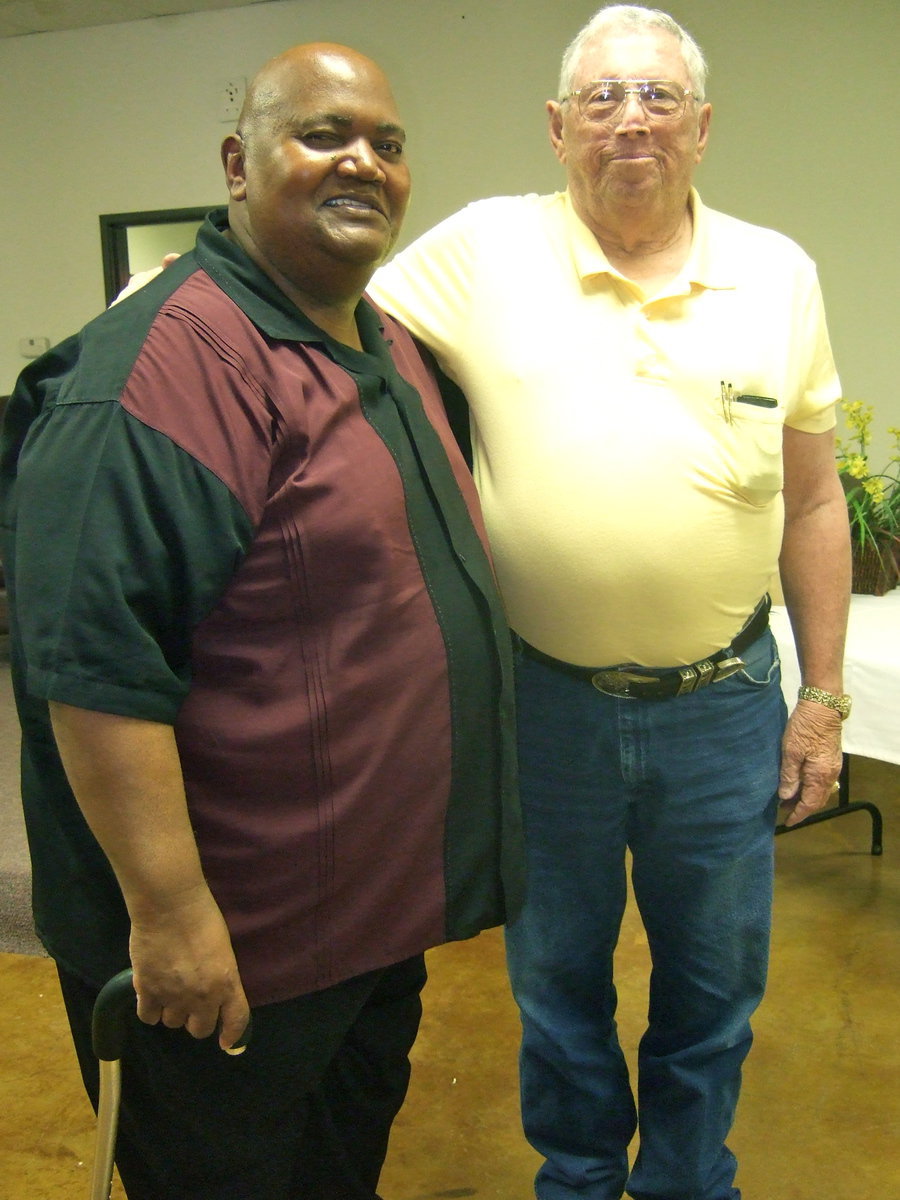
x=231 y=97
x=33 y=347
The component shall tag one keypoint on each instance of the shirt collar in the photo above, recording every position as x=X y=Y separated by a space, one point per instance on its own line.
x=266 y=304
x=700 y=269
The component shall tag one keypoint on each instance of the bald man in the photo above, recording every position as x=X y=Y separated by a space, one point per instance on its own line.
x=262 y=671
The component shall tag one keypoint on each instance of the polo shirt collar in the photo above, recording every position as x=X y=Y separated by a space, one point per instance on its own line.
x=700 y=269
x=265 y=303
x=706 y=266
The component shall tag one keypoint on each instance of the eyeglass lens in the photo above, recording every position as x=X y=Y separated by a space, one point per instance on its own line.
x=659 y=98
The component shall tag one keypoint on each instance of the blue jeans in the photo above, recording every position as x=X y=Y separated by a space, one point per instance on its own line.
x=689 y=786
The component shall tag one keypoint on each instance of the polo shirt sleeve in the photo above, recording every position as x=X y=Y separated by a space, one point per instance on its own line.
x=124 y=542
x=818 y=388
x=428 y=286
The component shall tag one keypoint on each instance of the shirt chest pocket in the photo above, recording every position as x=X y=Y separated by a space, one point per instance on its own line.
x=751 y=439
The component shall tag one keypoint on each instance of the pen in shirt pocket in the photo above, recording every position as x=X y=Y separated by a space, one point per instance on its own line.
x=730 y=396
x=756 y=401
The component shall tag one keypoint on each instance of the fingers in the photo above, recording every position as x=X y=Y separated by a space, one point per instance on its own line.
x=789 y=781
x=229 y=1017
x=808 y=796
x=802 y=809
x=148 y=1011
x=234 y=1027
x=199 y=1021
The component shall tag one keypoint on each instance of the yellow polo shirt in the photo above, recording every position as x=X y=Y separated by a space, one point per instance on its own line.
x=635 y=516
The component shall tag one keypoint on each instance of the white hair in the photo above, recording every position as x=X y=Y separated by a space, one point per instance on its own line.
x=617 y=17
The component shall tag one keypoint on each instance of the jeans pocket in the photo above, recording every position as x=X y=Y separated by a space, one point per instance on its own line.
x=762 y=666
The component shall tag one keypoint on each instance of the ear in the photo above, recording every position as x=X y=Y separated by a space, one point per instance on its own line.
x=233 y=160
x=555 y=129
x=703 y=132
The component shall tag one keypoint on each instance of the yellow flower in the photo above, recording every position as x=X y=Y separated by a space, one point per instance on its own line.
x=873 y=497
x=875 y=488
x=856 y=466
x=858 y=417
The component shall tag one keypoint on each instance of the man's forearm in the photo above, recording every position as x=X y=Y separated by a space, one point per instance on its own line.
x=126 y=776
x=815 y=557
x=815 y=577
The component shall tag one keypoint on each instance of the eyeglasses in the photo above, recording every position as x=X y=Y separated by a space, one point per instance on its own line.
x=662 y=99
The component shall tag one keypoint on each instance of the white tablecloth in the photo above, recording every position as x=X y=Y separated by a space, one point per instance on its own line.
x=871 y=673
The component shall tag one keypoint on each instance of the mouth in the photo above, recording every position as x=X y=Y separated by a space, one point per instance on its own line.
x=355 y=204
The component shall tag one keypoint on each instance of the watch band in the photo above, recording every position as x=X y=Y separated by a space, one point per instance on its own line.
x=840 y=704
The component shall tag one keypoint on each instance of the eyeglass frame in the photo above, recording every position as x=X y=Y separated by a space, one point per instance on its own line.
x=633 y=87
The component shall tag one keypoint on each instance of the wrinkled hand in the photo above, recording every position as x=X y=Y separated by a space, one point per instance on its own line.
x=810 y=760
x=185 y=972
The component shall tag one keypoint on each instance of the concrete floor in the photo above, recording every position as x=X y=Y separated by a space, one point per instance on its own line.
x=820 y=1112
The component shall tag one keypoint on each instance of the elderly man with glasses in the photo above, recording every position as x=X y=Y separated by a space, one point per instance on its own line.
x=652 y=398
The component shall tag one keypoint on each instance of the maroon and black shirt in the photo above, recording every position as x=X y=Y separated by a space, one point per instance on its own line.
x=219 y=518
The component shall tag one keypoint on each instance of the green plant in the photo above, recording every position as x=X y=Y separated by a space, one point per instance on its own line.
x=873 y=499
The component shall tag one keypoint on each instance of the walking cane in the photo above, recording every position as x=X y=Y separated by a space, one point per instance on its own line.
x=113 y=1011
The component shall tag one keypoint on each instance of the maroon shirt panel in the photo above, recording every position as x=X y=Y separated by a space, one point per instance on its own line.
x=318 y=718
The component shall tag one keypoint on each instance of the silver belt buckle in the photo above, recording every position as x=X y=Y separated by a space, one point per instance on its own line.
x=620 y=683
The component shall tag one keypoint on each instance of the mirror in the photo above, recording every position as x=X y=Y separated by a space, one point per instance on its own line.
x=137 y=241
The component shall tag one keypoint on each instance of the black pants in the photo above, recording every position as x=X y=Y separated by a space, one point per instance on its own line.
x=303 y=1114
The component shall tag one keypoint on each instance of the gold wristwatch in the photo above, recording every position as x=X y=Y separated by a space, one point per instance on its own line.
x=840 y=704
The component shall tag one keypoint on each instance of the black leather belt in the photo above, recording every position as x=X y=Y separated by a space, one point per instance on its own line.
x=645 y=683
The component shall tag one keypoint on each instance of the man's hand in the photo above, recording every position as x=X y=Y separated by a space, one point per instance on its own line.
x=140 y=278
x=810 y=760
x=185 y=972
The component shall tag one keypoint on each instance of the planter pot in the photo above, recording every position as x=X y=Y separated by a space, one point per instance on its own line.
x=875 y=569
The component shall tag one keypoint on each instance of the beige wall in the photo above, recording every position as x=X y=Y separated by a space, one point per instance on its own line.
x=125 y=117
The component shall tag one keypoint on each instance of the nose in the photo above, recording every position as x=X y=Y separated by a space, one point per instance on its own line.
x=359 y=158
x=632 y=112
